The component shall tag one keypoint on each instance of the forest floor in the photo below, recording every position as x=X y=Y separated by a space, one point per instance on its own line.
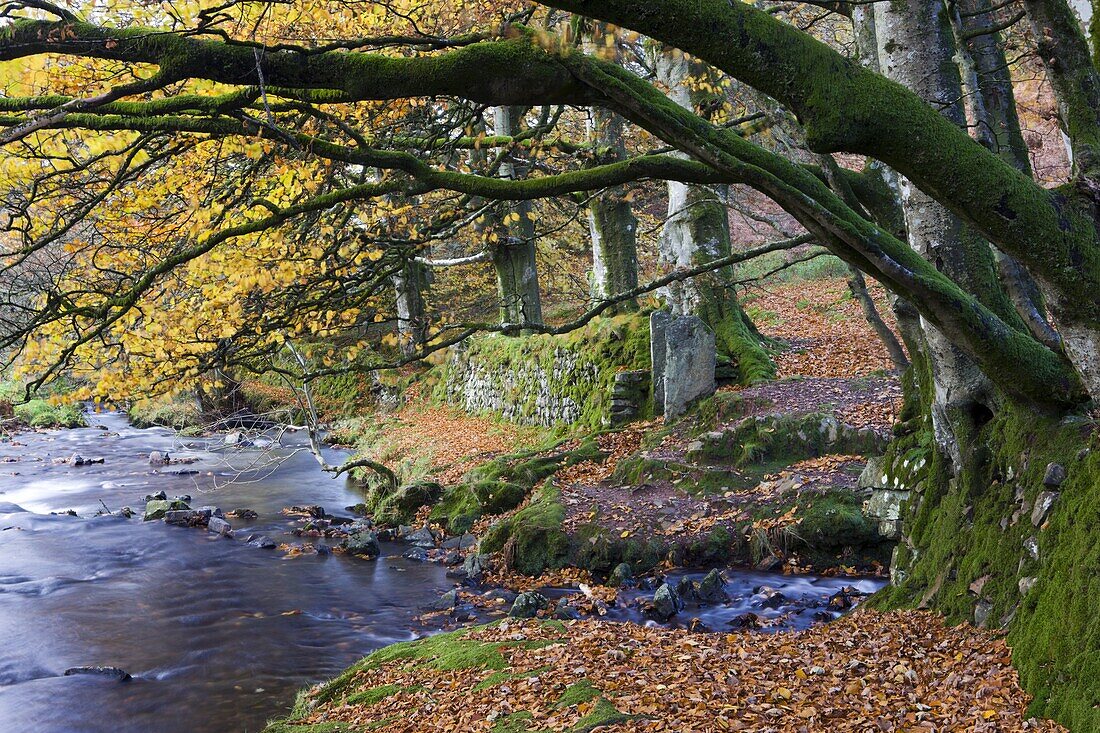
x=870 y=671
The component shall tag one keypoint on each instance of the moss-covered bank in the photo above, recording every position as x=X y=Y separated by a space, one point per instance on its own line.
x=1010 y=544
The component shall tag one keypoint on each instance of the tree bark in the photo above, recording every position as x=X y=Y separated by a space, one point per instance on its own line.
x=611 y=221
x=514 y=250
x=412 y=322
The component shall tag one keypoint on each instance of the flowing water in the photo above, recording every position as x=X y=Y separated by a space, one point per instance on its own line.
x=218 y=635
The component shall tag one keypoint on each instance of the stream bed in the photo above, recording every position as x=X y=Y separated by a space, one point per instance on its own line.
x=218 y=635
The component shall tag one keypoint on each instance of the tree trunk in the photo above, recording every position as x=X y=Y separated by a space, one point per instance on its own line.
x=611 y=219
x=514 y=250
x=697 y=231
x=916 y=49
x=412 y=322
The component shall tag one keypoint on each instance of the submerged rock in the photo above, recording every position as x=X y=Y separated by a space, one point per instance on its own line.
x=262 y=541
x=112 y=672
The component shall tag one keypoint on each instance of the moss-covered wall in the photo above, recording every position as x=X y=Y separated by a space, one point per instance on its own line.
x=1006 y=545
x=548 y=380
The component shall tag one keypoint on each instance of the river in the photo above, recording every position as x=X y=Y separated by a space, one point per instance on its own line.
x=218 y=635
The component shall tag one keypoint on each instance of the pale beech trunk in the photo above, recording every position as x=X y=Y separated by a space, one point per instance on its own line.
x=514 y=252
x=915 y=48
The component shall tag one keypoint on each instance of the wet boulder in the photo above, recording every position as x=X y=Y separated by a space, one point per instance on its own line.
x=362 y=543
x=620 y=576
x=188 y=517
x=246 y=514
x=422 y=537
x=528 y=604
x=666 y=602
x=156 y=458
x=475 y=565
x=159 y=508
x=711 y=588
x=217 y=525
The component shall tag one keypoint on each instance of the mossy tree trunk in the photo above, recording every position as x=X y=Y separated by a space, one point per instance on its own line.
x=697 y=231
x=514 y=251
x=409 y=287
x=611 y=221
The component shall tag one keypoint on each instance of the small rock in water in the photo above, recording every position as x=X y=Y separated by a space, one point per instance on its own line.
x=528 y=604
x=219 y=526
x=242 y=514
x=768 y=597
x=422 y=537
x=417 y=554
x=621 y=575
x=362 y=543
x=323 y=549
x=118 y=674
x=263 y=542
x=126 y=512
x=446 y=602
x=187 y=517
x=711 y=588
x=159 y=496
x=156 y=458
x=78 y=460
x=666 y=602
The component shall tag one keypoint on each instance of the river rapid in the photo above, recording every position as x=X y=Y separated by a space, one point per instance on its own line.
x=217 y=634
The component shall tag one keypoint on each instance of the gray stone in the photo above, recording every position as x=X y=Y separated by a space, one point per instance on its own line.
x=462 y=542
x=263 y=542
x=711 y=588
x=1026 y=584
x=885 y=507
x=563 y=611
x=666 y=602
x=658 y=327
x=1043 y=504
x=446 y=602
x=156 y=458
x=1031 y=544
x=422 y=537
x=475 y=565
x=689 y=364
x=982 y=610
x=1055 y=475
x=528 y=604
x=416 y=554
x=362 y=543
x=235 y=438
x=187 y=517
x=219 y=526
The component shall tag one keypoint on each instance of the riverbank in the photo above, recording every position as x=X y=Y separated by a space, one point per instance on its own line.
x=868 y=671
